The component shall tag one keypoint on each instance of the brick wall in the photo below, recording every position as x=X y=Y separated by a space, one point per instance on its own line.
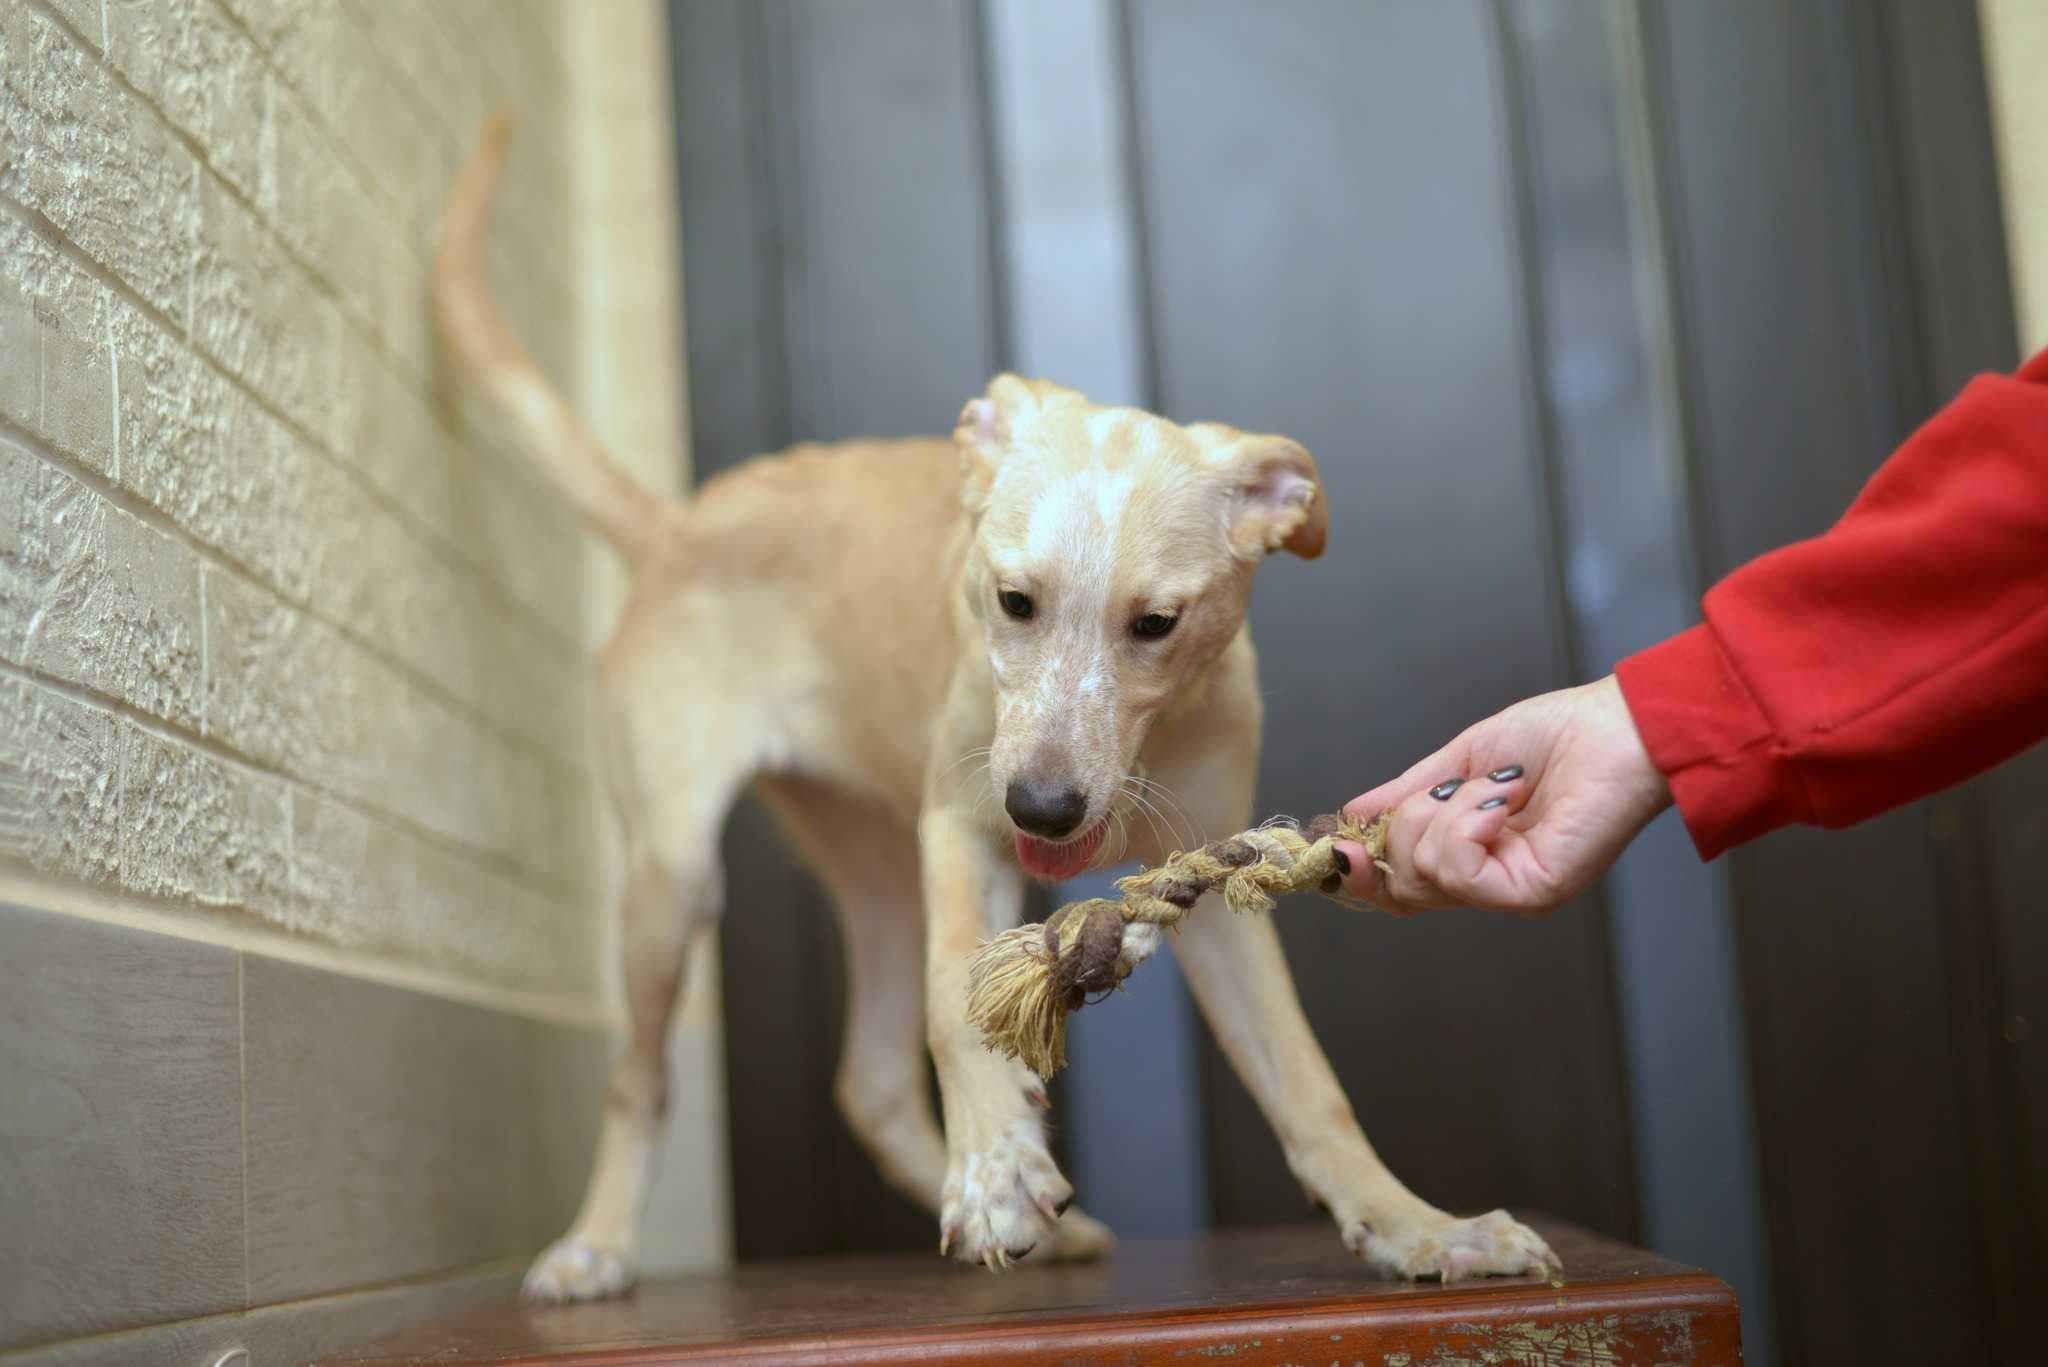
x=292 y=650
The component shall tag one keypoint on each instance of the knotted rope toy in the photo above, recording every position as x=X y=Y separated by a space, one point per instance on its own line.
x=1026 y=982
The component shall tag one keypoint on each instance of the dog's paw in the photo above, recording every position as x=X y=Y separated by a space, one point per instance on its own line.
x=1078 y=1237
x=1002 y=1199
x=1492 y=1245
x=571 y=1270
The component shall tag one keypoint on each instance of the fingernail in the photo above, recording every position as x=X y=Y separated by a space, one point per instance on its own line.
x=1507 y=775
x=1442 y=792
x=1492 y=802
x=1343 y=861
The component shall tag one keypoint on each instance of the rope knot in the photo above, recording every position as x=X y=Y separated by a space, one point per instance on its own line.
x=1026 y=981
x=1086 y=941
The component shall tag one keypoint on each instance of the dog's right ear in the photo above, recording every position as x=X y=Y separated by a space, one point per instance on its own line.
x=987 y=426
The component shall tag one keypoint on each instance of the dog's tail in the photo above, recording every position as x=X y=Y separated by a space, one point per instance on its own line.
x=567 y=453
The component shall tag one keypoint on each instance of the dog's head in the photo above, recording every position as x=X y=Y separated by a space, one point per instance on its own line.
x=1113 y=553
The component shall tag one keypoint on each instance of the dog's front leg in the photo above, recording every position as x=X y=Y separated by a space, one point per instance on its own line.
x=1003 y=1195
x=1239 y=976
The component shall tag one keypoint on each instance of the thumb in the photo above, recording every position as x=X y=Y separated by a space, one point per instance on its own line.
x=1362 y=878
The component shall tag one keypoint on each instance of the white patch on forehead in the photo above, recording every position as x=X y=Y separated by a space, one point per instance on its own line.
x=1074 y=521
x=1051 y=528
x=1111 y=493
x=1101 y=426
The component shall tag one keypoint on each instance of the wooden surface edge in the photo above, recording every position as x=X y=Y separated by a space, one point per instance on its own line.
x=1690 y=1319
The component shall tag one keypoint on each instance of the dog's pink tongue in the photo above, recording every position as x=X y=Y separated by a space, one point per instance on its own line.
x=1051 y=863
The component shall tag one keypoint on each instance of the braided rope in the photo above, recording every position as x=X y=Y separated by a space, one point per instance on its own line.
x=1026 y=981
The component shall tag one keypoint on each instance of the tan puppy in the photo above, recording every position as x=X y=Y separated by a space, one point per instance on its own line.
x=946 y=665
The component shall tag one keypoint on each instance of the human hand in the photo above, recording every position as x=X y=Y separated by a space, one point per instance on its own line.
x=1517 y=814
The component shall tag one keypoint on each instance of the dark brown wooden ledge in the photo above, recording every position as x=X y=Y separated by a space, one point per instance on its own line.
x=1257 y=1298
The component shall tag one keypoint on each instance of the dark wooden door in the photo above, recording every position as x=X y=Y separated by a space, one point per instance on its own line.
x=1840 y=271
x=1333 y=255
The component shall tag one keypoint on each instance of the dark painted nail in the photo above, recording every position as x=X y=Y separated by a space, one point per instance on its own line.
x=1492 y=802
x=1507 y=775
x=1442 y=792
x=1343 y=860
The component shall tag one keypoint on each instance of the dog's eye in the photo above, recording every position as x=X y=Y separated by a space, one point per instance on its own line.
x=1018 y=605
x=1153 y=625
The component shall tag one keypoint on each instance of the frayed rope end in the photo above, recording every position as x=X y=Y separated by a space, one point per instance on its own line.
x=1010 y=1000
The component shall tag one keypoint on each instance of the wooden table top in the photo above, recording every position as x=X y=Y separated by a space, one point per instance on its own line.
x=1256 y=1298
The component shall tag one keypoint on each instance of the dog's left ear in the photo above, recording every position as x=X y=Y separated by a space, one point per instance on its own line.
x=1276 y=491
x=984 y=431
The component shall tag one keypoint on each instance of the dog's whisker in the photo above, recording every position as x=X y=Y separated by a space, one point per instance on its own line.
x=987 y=793
x=1153 y=817
x=1173 y=837
x=1196 y=835
x=1123 y=839
x=1174 y=821
x=978 y=752
x=1180 y=809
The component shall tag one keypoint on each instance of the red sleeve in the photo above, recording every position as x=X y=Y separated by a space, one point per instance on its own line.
x=1900 y=652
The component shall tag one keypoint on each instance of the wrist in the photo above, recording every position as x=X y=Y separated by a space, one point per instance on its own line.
x=1639 y=773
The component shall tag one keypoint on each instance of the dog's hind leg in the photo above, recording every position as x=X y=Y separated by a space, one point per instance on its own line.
x=674 y=782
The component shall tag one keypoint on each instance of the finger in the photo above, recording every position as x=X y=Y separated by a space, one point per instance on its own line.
x=1512 y=880
x=1365 y=881
x=1488 y=858
x=1362 y=877
x=1435 y=776
x=1446 y=764
x=1410 y=885
x=1457 y=848
x=1465 y=857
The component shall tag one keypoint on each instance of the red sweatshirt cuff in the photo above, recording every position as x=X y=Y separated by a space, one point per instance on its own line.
x=1712 y=742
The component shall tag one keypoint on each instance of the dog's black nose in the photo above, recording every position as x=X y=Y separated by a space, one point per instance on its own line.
x=1048 y=809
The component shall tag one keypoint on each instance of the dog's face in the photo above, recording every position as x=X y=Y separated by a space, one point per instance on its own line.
x=1113 y=552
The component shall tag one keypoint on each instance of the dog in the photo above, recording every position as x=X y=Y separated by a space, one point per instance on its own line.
x=947 y=666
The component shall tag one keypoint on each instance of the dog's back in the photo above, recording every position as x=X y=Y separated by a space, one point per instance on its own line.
x=809 y=583
x=820 y=576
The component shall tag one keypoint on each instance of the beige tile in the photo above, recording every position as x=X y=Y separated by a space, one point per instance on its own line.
x=135 y=214
x=92 y=596
x=59 y=803
x=196 y=829
x=120 y=1129
x=192 y=65
x=390 y=1134
x=83 y=15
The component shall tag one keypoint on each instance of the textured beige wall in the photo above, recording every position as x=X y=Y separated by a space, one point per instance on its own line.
x=292 y=649
x=2016 y=62
x=327 y=641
